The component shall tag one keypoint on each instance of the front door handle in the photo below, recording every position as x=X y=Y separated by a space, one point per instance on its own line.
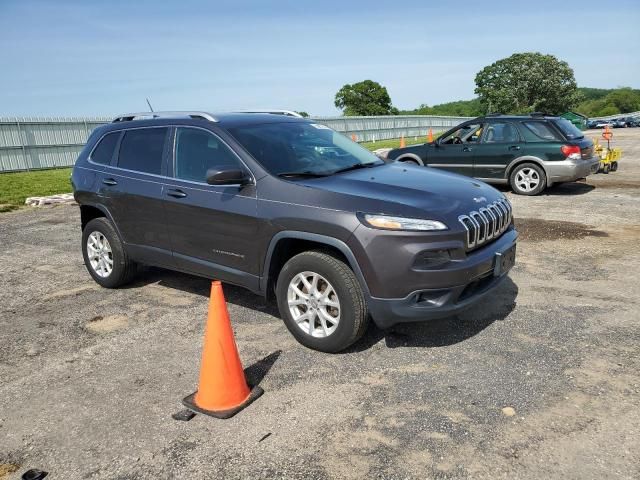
x=176 y=193
x=109 y=181
x=514 y=147
x=466 y=149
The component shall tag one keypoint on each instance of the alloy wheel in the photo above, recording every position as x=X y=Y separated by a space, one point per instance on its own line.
x=314 y=304
x=527 y=179
x=100 y=254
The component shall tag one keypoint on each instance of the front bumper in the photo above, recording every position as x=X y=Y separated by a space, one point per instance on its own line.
x=569 y=170
x=480 y=279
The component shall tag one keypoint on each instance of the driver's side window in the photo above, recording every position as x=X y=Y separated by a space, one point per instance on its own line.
x=197 y=151
x=469 y=133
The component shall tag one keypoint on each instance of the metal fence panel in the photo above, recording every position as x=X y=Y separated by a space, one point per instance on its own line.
x=31 y=143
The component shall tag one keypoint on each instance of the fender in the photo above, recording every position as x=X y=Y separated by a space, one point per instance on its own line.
x=314 y=237
x=107 y=214
x=411 y=156
x=524 y=158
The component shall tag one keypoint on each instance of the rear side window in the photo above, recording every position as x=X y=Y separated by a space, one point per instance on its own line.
x=141 y=150
x=539 y=132
x=103 y=152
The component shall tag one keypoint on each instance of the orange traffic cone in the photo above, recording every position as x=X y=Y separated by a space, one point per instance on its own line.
x=402 y=142
x=430 y=136
x=222 y=389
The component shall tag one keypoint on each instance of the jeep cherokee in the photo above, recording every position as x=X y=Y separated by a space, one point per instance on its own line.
x=290 y=209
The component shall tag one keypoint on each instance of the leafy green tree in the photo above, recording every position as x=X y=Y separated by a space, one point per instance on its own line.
x=303 y=114
x=364 y=98
x=527 y=82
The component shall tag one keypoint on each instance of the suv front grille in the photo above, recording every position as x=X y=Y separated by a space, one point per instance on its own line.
x=487 y=223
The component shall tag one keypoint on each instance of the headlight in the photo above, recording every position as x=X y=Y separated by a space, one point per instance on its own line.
x=386 y=222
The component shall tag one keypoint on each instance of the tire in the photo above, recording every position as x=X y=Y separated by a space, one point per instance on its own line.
x=409 y=161
x=528 y=174
x=123 y=269
x=606 y=168
x=332 y=275
x=614 y=166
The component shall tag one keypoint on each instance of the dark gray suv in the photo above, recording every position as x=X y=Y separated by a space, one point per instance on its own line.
x=289 y=209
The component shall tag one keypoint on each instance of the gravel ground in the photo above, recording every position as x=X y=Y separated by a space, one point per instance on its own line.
x=539 y=381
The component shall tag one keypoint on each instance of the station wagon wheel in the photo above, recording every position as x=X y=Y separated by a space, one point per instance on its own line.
x=528 y=179
x=321 y=301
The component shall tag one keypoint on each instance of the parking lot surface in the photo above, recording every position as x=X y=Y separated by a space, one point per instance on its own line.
x=540 y=380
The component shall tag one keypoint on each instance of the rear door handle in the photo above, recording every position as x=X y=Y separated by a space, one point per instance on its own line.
x=109 y=181
x=466 y=149
x=176 y=193
x=514 y=147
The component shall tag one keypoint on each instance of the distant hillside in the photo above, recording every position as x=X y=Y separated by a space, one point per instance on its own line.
x=595 y=102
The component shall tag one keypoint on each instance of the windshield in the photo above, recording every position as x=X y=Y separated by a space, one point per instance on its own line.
x=302 y=148
x=569 y=129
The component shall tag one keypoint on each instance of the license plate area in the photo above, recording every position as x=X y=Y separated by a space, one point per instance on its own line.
x=504 y=261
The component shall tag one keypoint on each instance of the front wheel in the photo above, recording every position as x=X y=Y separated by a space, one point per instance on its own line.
x=528 y=179
x=321 y=301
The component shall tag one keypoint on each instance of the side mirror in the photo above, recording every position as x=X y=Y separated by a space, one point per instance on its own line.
x=224 y=175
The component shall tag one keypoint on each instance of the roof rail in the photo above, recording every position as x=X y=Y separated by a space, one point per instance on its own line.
x=541 y=114
x=151 y=115
x=288 y=113
x=495 y=114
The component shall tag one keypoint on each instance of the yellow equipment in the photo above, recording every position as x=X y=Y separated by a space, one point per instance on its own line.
x=609 y=157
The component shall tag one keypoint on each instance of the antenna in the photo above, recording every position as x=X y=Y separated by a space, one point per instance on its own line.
x=149 y=103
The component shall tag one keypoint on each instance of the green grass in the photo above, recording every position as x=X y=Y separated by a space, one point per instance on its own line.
x=395 y=143
x=16 y=187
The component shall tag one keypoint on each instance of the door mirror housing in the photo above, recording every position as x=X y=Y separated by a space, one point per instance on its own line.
x=227 y=175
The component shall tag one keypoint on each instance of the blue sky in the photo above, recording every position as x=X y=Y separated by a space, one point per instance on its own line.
x=72 y=57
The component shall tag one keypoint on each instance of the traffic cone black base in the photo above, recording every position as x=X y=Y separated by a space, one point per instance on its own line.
x=189 y=402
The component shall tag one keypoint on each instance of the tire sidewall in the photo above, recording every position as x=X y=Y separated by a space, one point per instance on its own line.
x=342 y=337
x=541 y=173
x=103 y=226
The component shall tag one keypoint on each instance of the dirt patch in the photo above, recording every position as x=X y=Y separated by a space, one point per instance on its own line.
x=538 y=230
x=107 y=324
x=616 y=184
x=7 y=469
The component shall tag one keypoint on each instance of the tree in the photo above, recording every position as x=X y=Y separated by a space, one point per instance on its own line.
x=527 y=82
x=365 y=98
x=303 y=114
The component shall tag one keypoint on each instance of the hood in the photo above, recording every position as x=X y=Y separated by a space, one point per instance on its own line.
x=403 y=189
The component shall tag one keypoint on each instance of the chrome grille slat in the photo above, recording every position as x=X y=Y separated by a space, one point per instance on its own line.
x=486 y=223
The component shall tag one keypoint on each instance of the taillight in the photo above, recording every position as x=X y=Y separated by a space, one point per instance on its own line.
x=571 y=151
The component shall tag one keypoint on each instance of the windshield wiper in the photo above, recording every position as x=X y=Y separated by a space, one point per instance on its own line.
x=305 y=173
x=357 y=166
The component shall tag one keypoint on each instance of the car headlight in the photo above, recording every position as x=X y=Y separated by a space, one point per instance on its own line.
x=386 y=222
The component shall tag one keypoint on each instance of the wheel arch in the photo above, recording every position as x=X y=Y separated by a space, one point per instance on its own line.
x=525 y=159
x=286 y=244
x=90 y=211
x=410 y=156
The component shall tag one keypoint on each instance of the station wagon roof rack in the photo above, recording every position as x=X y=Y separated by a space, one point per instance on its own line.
x=541 y=114
x=288 y=113
x=151 y=115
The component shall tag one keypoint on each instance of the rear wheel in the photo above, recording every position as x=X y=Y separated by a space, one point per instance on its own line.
x=614 y=166
x=528 y=179
x=321 y=302
x=606 y=168
x=104 y=255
